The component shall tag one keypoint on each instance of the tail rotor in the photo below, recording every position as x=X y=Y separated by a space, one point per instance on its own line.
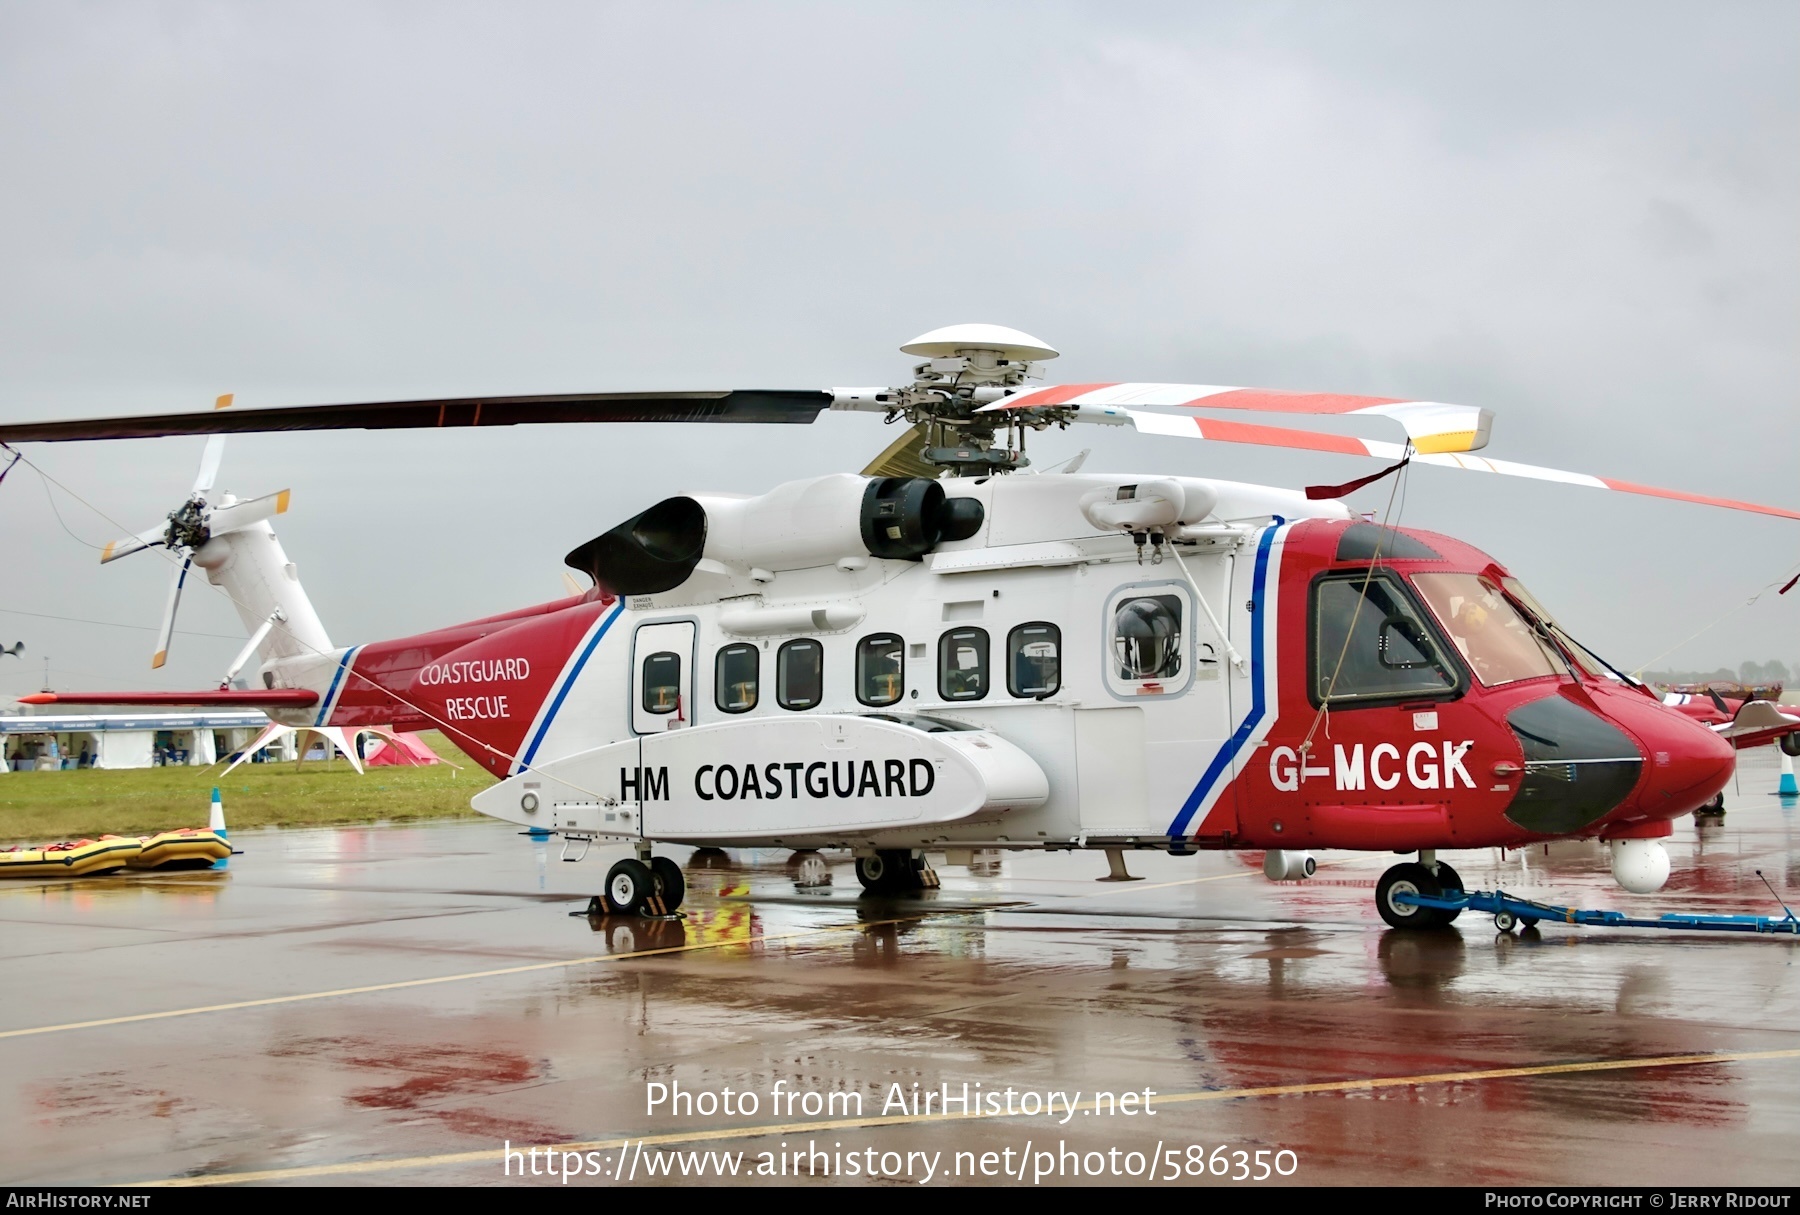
x=191 y=525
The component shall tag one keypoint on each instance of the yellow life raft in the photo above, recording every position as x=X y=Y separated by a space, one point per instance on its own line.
x=188 y=848
x=74 y=858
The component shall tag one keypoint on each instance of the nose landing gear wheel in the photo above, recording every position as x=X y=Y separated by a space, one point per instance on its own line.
x=1410 y=878
x=628 y=884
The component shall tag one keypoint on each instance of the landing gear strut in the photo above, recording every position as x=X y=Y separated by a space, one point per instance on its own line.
x=1427 y=876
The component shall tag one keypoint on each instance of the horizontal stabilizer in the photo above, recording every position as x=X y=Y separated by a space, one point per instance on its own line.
x=230 y=698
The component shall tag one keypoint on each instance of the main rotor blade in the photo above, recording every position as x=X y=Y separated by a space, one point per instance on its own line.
x=242 y=514
x=209 y=465
x=148 y=538
x=168 y=621
x=1431 y=426
x=1276 y=436
x=741 y=405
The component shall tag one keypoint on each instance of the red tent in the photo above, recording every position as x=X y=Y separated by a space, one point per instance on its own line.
x=407 y=749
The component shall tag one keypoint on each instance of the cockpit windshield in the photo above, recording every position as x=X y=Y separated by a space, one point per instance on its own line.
x=1589 y=661
x=1499 y=644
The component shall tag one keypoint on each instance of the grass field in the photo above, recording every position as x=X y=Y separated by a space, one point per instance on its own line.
x=46 y=806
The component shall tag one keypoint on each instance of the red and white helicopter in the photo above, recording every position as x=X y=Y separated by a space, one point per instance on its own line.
x=948 y=652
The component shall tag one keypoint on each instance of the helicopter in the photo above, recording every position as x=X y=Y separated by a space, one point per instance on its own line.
x=950 y=651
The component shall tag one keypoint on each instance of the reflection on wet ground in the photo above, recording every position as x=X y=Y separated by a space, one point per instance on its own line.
x=1199 y=982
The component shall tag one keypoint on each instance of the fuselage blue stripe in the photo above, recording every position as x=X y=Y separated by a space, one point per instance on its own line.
x=567 y=683
x=1258 y=698
x=331 y=695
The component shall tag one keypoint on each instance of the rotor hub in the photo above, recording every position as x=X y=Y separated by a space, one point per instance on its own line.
x=189 y=526
x=968 y=367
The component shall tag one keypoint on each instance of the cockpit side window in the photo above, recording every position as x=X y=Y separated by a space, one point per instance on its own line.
x=1370 y=642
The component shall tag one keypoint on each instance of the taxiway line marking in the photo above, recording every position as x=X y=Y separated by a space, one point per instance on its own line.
x=524 y=968
x=353 y=1167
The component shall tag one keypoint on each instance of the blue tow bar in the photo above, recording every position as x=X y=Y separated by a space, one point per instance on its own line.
x=1508 y=911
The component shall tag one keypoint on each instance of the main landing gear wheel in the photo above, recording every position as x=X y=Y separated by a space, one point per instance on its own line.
x=1410 y=878
x=666 y=874
x=1790 y=745
x=628 y=884
x=888 y=873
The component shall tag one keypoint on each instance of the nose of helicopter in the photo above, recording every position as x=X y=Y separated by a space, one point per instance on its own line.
x=1611 y=760
x=1686 y=764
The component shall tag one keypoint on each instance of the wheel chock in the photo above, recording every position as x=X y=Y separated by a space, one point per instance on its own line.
x=601 y=905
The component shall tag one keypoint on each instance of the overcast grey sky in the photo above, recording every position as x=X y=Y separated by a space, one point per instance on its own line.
x=1582 y=216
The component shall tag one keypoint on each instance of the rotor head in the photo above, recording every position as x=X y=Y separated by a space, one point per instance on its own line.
x=965 y=368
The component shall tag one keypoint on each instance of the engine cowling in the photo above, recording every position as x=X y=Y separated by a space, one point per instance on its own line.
x=799 y=525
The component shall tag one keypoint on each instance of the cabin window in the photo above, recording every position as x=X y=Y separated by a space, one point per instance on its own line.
x=1034 y=660
x=880 y=669
x=662 y=682
x=963 y=664
x=1370 y=642
x=800 y=674
x=735 y=676
x=1147 y=637
x=1497 y=642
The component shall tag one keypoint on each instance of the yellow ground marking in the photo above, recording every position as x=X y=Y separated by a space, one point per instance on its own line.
x=526 y=968
x=496 y=1155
